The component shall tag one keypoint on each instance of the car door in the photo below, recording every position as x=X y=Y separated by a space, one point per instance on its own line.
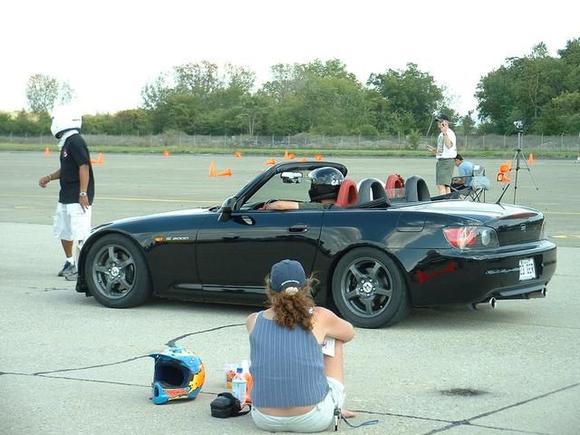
x=236 y=255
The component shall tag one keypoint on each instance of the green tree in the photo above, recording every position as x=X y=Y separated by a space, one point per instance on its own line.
x=43 y=92
x=318 y=97
x=524 y=87
x=412 y=97
x=562 y=114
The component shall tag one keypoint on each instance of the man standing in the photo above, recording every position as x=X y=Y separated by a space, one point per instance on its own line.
x=72 y=219
x=445 y=154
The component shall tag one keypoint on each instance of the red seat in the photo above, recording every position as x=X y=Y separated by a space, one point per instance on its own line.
x=395 y=187
x=347 y=195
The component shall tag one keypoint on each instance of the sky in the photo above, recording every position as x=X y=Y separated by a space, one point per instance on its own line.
x=108 y=50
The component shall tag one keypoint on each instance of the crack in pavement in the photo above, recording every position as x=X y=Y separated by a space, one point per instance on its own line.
x=172 y=342
x=169 y=343
x=467 y=422
x=451 y=423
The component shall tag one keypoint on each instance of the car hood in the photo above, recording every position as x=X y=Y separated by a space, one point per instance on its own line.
x=154 y=220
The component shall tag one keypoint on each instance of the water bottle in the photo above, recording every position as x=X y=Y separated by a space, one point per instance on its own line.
x=249 y=381
x=239 y=386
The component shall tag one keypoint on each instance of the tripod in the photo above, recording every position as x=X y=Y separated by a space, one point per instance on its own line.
x=518 y=157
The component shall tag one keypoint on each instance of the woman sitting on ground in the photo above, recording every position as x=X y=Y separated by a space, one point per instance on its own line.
x=296 y=387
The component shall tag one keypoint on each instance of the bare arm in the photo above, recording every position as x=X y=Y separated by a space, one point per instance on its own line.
x=333 y=325
x=448 y=141
x=84 y=184
x=43 y=181
x=281 y=205
x=250 y=322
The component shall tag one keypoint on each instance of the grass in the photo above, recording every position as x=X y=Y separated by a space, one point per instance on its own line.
x=276 y=151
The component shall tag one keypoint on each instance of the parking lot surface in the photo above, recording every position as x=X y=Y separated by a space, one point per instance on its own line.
x=69 y=365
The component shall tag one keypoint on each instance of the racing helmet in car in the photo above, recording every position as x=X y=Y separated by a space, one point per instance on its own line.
x=65 y=118
x=325 y=183
x=179 y=374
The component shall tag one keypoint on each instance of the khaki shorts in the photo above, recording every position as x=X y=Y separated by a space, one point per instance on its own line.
x=317 y=420
x=71 y=222
x=444 y=172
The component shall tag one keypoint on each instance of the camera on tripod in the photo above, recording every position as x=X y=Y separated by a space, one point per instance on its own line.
x=519 y=125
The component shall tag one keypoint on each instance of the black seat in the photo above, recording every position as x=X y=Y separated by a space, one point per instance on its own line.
x=371 y=190
x=416 y=189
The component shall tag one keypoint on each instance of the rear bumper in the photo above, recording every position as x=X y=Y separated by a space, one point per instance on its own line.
x=459 y=277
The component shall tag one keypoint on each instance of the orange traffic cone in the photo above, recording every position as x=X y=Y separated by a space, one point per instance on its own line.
x=270 y=162
x=531 y=160
x=289 y=156
x=318 y=157
x=238 y=155
x=166 y=153
x=46 y=152
x=212 y=171
x=100 y=160
x=225 y=173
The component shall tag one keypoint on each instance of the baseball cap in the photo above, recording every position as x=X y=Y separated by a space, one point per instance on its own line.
x=442 y=117
x=287 y=273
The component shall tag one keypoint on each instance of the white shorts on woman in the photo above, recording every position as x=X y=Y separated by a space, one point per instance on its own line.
x=320 y=418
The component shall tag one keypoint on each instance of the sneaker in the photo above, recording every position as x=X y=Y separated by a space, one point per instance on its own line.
x=71 y=273
x=67 y=265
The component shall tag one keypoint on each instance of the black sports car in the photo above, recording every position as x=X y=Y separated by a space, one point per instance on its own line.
x=374 y=258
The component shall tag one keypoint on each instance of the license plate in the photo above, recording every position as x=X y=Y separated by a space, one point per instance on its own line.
x=527 y=269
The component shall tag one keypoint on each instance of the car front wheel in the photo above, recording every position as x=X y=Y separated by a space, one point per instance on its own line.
x=368 y=289
x=116 y=272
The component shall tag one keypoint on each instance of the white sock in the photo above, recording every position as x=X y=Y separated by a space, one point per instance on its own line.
x=71 y=260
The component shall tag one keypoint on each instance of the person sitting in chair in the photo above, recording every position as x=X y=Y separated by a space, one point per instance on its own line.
x=325 y=184
x=465 y=177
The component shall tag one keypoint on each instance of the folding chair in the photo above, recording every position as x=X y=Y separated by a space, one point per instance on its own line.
x=472 y=186
x=479 y=183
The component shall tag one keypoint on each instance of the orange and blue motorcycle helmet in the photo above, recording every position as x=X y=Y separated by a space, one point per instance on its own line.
x=179 y=374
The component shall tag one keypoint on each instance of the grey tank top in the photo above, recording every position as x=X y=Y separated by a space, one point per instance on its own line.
x=287 y=366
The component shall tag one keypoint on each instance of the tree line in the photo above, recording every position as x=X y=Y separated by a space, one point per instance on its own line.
x=323 y=97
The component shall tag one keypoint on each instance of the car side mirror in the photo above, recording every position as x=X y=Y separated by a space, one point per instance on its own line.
x=227 y=208
x=291 y=177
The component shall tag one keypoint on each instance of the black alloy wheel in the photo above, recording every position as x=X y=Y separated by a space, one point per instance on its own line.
x=369 y=289
x=116 y=272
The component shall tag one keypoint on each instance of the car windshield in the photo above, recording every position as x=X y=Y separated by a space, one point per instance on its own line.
x=277 y=188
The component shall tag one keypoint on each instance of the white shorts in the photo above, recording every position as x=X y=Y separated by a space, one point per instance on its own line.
x=320 y=418
x=71 y=222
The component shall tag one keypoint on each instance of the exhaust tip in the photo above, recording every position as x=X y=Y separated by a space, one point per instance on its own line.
x=488 y=303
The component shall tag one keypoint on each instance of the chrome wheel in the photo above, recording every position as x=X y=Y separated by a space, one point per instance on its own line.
x=114 y=271
x=367 y=287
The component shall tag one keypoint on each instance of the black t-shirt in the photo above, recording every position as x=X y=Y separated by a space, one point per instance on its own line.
x=74 y=154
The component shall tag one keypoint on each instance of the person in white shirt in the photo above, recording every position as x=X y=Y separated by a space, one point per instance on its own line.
x=445 y=154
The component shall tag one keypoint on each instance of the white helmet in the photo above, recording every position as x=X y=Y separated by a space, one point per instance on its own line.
x=65 y=118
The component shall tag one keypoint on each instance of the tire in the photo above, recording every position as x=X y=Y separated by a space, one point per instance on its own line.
x=116 y=272
x=369 y=290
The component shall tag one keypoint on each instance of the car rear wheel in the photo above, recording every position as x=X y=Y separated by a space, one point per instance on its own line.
x=116 y=272
x=369 y=290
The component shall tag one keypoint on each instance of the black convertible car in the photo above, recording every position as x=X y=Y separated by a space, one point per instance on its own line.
x=374 y=258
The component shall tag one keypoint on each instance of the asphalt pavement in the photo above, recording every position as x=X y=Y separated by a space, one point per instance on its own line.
x=71 y=366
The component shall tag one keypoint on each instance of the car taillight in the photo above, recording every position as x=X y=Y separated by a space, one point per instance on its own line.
x=471 y=237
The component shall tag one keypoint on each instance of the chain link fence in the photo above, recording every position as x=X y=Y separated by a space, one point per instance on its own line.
x=567 y=143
